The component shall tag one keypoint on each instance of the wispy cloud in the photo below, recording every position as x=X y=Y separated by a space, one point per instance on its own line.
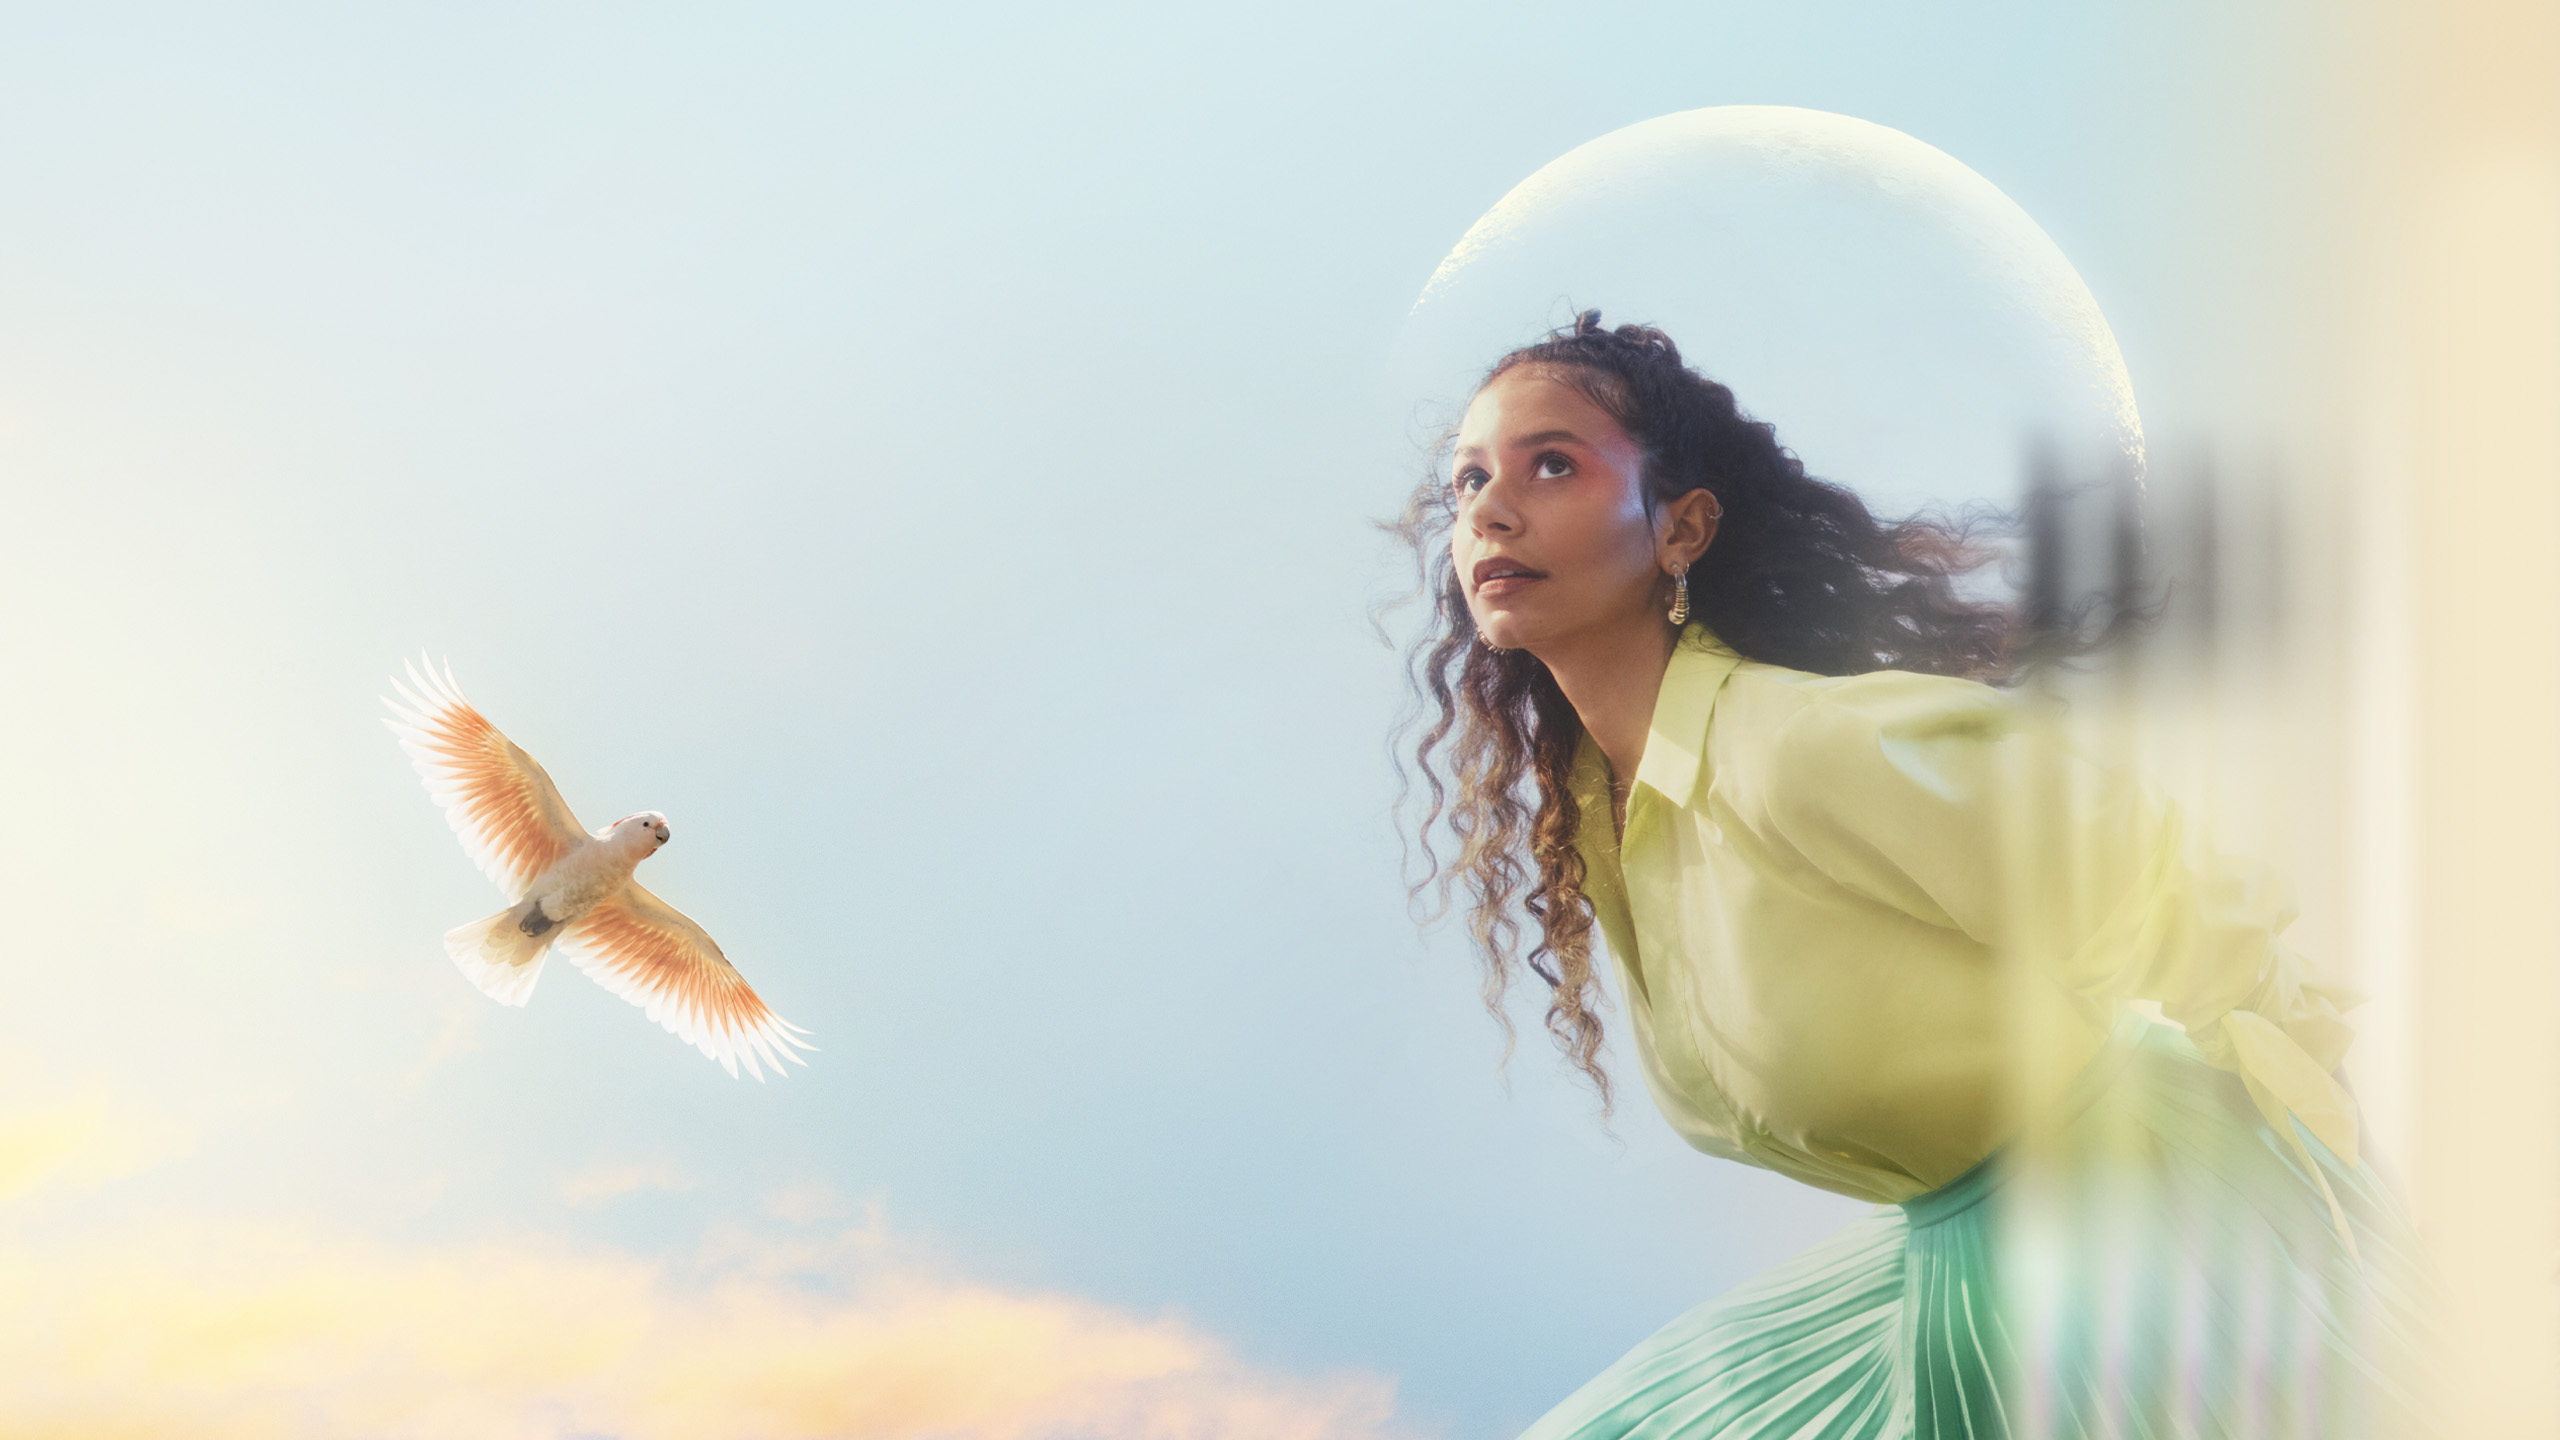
x=808 y=1204
x=601 y=1182
x=460 y=1032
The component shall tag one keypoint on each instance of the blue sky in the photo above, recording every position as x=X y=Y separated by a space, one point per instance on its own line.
x=929 y=455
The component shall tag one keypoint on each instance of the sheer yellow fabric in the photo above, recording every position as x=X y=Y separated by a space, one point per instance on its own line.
x=1862 y=921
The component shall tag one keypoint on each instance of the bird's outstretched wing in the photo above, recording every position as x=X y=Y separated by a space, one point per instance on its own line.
x=510 y=816
x=646 y=951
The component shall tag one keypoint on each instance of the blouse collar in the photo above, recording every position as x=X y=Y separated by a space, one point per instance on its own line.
x=1675 y=749
x=1675 y=744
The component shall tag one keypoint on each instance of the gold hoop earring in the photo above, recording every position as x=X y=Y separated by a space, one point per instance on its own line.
x=1680 y=596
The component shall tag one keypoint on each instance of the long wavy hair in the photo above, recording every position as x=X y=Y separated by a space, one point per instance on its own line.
x=1800 y=574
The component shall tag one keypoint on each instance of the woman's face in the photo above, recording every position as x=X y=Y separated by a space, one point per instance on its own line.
x=1553 y=542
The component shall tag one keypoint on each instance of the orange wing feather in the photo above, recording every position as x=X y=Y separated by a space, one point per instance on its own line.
x=506 y=810
x=651 y=954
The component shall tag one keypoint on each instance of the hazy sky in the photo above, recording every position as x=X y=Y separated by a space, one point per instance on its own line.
x=930 y=455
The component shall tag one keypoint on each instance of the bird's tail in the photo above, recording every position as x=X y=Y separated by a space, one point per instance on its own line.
x=502 y=955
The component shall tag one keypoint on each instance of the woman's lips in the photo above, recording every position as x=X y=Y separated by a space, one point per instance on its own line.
x=1498 y=575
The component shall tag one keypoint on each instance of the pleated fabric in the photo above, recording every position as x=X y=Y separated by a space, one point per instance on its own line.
x=2162 y=1266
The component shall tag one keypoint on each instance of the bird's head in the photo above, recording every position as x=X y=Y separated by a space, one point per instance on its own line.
x=645 y=831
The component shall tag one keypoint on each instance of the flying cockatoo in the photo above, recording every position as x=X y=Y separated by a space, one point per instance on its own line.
x=572 y=890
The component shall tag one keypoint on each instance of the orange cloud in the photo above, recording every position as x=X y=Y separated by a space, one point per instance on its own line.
x=225 y=1331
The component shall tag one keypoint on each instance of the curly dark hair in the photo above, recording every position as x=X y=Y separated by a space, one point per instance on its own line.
x=1800 y=574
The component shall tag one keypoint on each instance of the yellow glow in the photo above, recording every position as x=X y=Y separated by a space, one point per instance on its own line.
x=79 y=1143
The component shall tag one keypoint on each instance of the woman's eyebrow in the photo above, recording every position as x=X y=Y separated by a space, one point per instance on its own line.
x=1522 y=442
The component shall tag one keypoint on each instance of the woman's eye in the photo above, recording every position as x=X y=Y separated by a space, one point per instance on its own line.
x=1552 y=466
x=1470 y=480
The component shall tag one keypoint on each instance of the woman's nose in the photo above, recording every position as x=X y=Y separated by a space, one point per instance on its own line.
x=1489 y=509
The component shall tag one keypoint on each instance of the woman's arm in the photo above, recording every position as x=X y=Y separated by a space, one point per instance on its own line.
x=1946 y=800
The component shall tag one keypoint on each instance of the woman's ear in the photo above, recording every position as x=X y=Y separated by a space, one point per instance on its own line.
x=1688 y=528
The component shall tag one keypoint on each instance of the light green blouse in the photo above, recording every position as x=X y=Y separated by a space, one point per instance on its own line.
x=1864 y=923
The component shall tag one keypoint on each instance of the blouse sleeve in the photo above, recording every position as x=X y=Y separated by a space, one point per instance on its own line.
x=1940 y=798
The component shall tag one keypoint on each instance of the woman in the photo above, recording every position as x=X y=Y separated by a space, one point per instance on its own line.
x=1878 y=931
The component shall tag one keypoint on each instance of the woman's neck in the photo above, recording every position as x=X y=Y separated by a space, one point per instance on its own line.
x=1612 y=682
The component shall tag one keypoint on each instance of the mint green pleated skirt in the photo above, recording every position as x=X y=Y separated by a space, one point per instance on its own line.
x=2165 y=1266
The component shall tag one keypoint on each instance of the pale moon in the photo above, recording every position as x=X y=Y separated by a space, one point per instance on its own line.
x=1912 y=333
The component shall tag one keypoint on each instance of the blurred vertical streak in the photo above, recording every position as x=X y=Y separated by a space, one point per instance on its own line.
x=2457 y=421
